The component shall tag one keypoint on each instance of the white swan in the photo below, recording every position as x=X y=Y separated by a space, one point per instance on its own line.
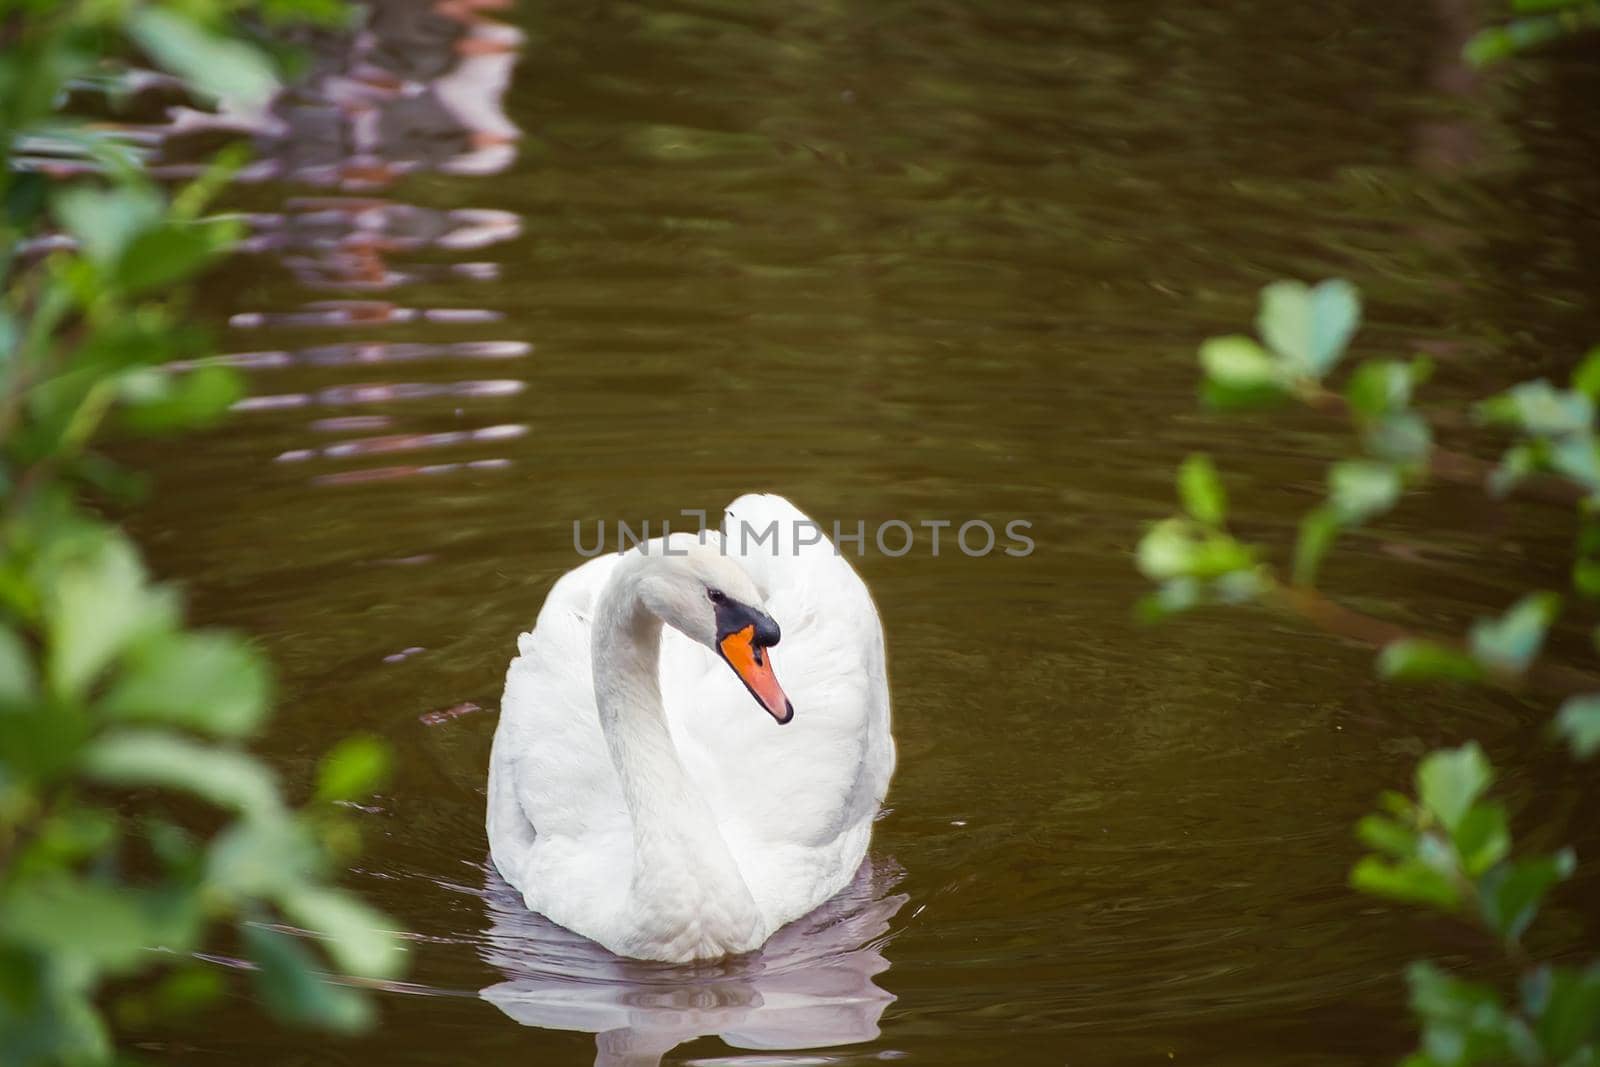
x=636 y=794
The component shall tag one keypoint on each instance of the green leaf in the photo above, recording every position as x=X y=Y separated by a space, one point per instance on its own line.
x=212 y=682
x=106 y=221
x=356 y=766
x=1511 y=893
x=1588 y=539
x=1541 y=409
x=1586 y=577
x=1439 y=855
x=18 y=683
x=1436 y=994
x=97 y=604
x=146 y=758
x=1571 y=1017
x=1318 y=531
x=1578 y=458
x=261 y=858
x=292 y=989
x=1220 y=555
x=1407 y=880
x=1399 y=805
x=1173 y=598
x=1201 y=491
x=224 y=67
x=153 y=335
x=1482 y=839
x=1216 y=396
x=1238 y=361
x=357 y=937
x=1509 y=643
x=166 y=254
x=1309 y=328
x=1586 y=557
x=1402 y=437
x=103 y=925
x=1413 y=659
x=1586 y=378
x=1387 y=835
x=1359 y=489
x=1463 y=1023
x=1180 y=548
x=1378 y=387
x=1579 y=722
x=40 y=741
x=157 y=401
x=1165 y=550
x=189 y=202
x=66 y=836
x=1239 y=586
x=1336 y=314
x=1450 y=781
x=1382 y=387
x=1516 y=464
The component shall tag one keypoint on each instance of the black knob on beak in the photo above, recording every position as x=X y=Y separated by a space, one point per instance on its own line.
x=767 y=632
x=733 y=616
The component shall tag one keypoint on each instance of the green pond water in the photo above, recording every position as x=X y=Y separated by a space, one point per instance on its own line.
x=917 y=261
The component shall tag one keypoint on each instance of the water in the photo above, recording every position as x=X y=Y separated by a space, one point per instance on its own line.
x=919 y=261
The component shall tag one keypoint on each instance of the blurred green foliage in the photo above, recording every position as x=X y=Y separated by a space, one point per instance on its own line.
x=135 y=826
x=1533 y=23
x=1449 y=847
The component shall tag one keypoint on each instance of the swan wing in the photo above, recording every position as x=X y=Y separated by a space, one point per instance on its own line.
x=795 y=802
x=554 y=797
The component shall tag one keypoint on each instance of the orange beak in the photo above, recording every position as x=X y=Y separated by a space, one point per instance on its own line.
x=753 y=665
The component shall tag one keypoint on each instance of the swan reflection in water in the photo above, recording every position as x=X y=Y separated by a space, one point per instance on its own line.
x=810 y=986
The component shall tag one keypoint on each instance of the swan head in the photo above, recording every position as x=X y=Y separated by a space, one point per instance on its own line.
x=711 y=599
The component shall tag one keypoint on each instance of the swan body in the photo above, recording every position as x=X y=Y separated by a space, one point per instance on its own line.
x=638 y=794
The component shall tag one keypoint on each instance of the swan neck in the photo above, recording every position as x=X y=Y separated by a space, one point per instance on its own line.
x=674 y=828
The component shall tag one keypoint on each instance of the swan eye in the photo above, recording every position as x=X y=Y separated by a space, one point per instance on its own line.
x=717 y=596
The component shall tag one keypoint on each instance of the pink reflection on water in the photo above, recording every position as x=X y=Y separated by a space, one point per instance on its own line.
x=344 y=242
x=388 y=474
x=382 y=393
x=812 y=986
x=417 y=87
x=276 y=402
x=386 y=225
x=411 y=442
x=359 y=313
x=356 y=352
x=349 y=423
x=378 y=352
x=406 y=442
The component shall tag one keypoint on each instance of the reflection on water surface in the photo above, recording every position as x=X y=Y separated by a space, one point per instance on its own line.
x=809 y=987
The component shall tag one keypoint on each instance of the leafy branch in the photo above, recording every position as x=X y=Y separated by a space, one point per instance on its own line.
x=132 y=816
x=1305 y=333
x=1448 y=848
